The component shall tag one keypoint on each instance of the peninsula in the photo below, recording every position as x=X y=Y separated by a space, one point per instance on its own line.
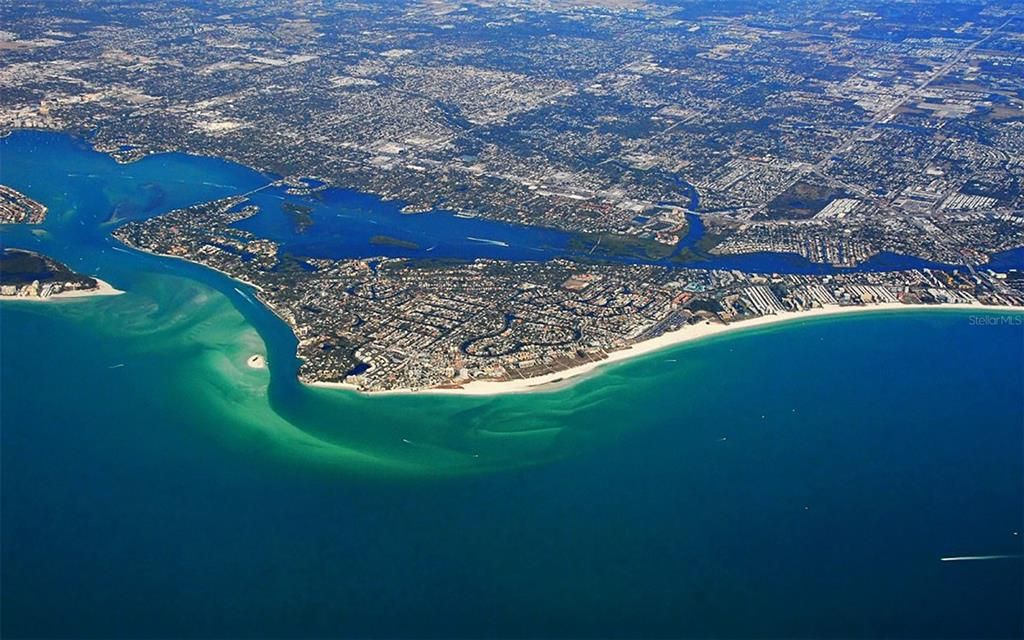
x=26 y=275
x=17 y=208
x=844 y=137
x=391 y=324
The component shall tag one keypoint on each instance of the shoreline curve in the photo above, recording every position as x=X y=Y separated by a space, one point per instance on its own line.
x=557 y=380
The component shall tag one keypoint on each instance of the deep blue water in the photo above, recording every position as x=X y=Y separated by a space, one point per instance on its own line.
x=856 y=454
x=1011 y=259
x=344 y=222
x=796 y=482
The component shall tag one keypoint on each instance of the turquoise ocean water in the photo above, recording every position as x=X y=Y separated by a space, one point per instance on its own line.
x=795 y=481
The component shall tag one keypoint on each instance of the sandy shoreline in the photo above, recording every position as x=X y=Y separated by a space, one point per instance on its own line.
x=567 y=377
x=103 y=288
x=184 y=259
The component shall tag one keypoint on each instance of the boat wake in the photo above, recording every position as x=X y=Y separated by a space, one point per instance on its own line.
x=497 y=243
x=969 y=558
x=245 y=295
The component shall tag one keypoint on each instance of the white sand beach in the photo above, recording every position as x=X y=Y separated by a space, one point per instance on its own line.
x=561 y=379
x=103 y=288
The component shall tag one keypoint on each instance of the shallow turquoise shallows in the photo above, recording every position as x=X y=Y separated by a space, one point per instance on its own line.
x=801 y=480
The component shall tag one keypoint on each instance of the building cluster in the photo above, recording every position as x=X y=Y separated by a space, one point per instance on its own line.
x=38 y=289
x=17 y=208
x=382 y=324
x=27 y=274
x=953 y=239
x=590 y=117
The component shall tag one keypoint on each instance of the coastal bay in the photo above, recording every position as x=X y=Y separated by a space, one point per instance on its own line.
x=792 y=462
x=569 y=320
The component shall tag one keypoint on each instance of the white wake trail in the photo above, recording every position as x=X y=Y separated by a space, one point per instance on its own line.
x=963 y=558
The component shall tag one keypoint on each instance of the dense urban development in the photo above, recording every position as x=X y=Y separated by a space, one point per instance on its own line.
x=842 y=135
x=815 y=128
